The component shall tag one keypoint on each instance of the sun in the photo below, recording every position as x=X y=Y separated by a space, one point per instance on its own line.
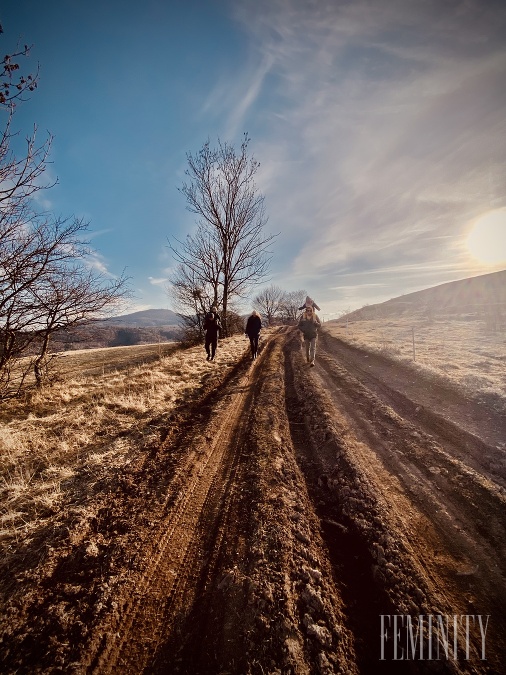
x=486 y=241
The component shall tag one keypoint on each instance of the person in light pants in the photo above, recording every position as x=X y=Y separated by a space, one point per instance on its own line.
x=309 y=324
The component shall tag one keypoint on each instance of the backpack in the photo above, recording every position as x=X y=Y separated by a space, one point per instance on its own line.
x=212 y=318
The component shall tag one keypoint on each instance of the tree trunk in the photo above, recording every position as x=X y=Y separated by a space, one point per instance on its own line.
x=38 y=365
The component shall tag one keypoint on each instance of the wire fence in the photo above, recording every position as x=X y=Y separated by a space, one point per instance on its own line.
x=468 y=348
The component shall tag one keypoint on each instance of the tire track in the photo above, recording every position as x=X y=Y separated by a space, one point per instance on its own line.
x=271 y=533
x=453 y=495
x=176 y=558
x=474 y=433
x=268 y=603
x=394 y=489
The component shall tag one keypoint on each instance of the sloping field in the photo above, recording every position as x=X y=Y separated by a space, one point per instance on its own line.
x=463 y=353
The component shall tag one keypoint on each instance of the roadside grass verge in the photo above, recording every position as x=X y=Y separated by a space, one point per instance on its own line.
x=103 y=407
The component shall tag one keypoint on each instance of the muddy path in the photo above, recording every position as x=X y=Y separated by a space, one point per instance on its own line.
x=429 y=480
x=285 y=512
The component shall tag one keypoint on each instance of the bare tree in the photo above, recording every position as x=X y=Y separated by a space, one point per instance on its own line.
x=70 y=297
x=235 y=322
x=221 y=191
x=45 y=282
x=46 y=286
x=192 y=297
x=269 y=302
x=195 y=284
x=31 y=249
x=290 y=304
x=20 y=178
x=25 y=238
x=13 y=84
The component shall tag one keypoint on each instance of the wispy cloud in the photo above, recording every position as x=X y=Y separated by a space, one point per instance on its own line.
x=97 y=263
x=386 y=128
x=157 y=281
x=232 y=99
x=246 y=99
x=95 y=234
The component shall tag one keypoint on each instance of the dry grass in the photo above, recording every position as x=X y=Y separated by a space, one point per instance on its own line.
x=464 y=352
x=91 y=423
x=102 y=360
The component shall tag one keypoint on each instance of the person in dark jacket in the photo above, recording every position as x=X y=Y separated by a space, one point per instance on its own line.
x=309 y=324
x=253 y=326
x=212 y=326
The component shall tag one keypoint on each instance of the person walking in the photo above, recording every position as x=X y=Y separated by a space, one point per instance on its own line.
x=212 y=326
x=309 y=323
x=253 y=326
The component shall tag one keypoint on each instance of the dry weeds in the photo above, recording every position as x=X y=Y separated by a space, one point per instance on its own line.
x=463 y=353
x=93 y=422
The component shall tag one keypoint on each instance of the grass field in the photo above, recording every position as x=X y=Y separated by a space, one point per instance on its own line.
x=464 y=352
x=107 y=359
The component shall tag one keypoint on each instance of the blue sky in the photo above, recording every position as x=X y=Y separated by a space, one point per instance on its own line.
x=379 y=125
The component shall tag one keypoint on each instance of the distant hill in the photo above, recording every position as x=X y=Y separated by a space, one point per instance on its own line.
x=146 y=327
x=485 y=294
x=148 y=318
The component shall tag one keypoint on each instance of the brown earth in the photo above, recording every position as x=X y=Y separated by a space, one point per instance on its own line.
x=284 y=512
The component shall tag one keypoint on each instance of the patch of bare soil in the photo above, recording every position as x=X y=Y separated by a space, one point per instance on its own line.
x=285 y=511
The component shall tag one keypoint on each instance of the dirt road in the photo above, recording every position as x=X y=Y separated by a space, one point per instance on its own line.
x=293 y=520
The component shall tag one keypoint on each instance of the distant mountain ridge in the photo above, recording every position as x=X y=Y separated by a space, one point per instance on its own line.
x=470 y=294
x=147 y=318
x=486 y=292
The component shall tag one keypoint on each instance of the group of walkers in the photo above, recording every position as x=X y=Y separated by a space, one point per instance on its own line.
x=309 y=324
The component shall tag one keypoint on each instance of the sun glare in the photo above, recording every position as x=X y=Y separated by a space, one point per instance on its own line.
x=486 y=241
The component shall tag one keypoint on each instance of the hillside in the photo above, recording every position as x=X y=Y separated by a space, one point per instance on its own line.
x=148 y=318
x=481 y=295
x=138 y=328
